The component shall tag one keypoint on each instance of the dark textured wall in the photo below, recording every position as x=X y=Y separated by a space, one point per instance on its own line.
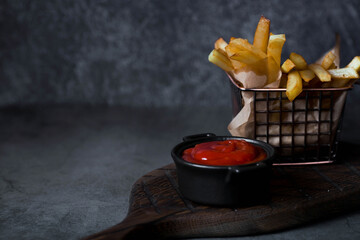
x=148 y=52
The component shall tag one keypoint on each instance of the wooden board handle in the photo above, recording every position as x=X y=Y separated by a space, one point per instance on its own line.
x=128 y=229
x=135 y=227
x=117 y=232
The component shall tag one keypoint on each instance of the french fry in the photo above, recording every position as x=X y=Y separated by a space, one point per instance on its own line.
x=298 y=60
x=258 y=67
x=339 y=82
x=220 y=60
x=287 y=66
x=320 y=72
x=237 y=65
x=328 y=60
x=263 y=58
x=283 y=81
x=237 y=45
x=344 y=73
x=247 y=57
x=273 y=70
x=332 y=66
x=274 y=48
x=355 y=63
x=294 y=85
x=307 y=75
x=220 y=45
x=261 y=37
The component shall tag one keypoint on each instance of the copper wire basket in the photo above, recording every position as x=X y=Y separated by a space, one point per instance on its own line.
x=308 y=146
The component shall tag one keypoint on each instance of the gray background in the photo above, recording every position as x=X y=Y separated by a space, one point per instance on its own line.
x=151 y=53
x=94 y=94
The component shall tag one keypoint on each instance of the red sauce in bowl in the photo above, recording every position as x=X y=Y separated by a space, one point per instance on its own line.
x=224 y=153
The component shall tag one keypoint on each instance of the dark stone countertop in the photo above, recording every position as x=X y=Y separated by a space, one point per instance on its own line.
x=66 y=172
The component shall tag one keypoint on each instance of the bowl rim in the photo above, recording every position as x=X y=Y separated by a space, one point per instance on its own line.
x=180 y=147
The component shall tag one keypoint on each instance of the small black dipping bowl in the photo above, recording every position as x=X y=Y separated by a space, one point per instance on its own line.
x=227 y=186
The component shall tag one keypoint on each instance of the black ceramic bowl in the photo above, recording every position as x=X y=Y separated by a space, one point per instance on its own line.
x=238 y=185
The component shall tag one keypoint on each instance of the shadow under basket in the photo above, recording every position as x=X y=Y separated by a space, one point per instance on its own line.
x=304 y=131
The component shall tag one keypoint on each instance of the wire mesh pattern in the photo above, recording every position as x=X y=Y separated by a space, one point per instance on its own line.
x=303 y=131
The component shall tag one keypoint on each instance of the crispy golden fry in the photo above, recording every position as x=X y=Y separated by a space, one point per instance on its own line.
x=258 y=67
x=355 y=63
x=263 y=57
x=287 y=66
x=344 y=73
x=273 y=70
x=283 y=81
x=241 y=52
x=333 y=66
x=220 y=45
x=307 y=75
x=246 y=57
x=274 y=49
x=220 y=60
x=320 y=72
x=240 y=44
x=261 y=37
x=237 y=65
x=339 y=82
x=298 y=60
x=294 y=85
x=328 y=60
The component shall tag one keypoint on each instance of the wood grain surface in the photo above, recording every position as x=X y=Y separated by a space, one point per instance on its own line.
x=299 y=194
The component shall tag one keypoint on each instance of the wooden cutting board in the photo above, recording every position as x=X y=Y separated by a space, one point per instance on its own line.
x=300 y=194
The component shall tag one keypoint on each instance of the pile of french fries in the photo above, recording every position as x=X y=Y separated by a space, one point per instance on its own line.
x=264 y=58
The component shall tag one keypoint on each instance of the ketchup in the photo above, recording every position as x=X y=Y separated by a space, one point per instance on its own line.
x=224 y=153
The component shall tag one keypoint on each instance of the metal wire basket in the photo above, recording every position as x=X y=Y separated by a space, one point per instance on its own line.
x=308 y=134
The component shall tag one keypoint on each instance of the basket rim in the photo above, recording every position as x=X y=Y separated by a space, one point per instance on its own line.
x=284 y=89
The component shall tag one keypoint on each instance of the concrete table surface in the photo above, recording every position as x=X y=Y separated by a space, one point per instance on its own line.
x=66 y=172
